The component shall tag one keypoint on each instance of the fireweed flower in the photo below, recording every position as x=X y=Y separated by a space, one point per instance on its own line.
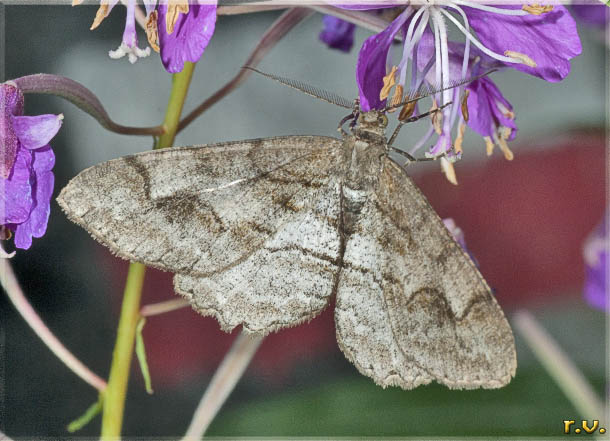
x=337 y=33
x=483 y=107
x=180 y=30
x=538 y=40
x=26 y=178
x=595 y=252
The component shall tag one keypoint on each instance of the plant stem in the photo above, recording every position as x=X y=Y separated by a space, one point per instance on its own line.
x=17 y=297
x=559 y=366
x=223 y=382
x=114 y=396
x=163 y=307
x=180 y=84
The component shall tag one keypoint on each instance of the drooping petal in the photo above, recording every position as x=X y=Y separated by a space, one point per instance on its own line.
x=488 y=109
x=35 y=132
x=550 y=39
x=16 y=197
x=596 y=250
x=371 y=65
x=591 y=14
x=337 y=33
x=191 y=35
x=11 y=103
x=36 y=224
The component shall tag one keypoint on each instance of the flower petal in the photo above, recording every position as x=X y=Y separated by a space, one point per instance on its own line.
x=550 y=39
x=371 y=65
x=337 y=33
x=483 y=110
x=35 y=132
x=36 y=224
x=591 y=14
x=192 y=33
x=16 y=198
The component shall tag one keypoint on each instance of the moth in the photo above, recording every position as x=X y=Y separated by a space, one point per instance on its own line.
x=264 y=233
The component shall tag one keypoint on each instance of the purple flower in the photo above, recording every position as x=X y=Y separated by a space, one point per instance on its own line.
x=25 y=169
x=538 y=40
x=337 y=33
x=595 y=251
x=188 y=38
x=181 y=28
x=591 y=14
x=491 y=115
x=549 y=39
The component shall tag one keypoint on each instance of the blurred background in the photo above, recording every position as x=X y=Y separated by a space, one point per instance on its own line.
x=525 y=221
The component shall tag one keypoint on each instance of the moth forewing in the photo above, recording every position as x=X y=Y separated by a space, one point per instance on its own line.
x=263 y=233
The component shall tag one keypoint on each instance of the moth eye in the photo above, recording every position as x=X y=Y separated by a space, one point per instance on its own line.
x=383 y=120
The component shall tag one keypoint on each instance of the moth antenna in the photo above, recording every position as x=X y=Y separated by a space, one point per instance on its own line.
x=426 y=90
x=324 y=95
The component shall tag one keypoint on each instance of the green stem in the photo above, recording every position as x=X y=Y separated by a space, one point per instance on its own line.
x=180 y=85
x=114 y=395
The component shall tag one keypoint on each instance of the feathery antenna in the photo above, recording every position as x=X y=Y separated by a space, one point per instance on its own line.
x=324 y=95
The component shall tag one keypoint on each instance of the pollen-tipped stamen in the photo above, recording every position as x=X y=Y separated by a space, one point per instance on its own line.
x=388 y=82
x=505 y=58
x=101 y=14
x=449 y=171
x=536 y=9
x=397 y=99
x=174 y=9
x=152 y=32
x=457 y=146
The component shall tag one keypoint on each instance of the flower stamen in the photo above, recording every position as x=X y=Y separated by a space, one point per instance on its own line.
x=489 y=145
x=464 y=105
x=152 y=32
x=101 y=14
x=460 y=138
x=501 y=141
x=448 y=170
x=536 y=9
x=437 y=118
x=174 y=9
x=506 y=58
x=407 y=111
x=522 y=58
x=388 y=82
x=397 y=98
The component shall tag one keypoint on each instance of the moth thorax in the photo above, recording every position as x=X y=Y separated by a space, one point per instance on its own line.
x=373 y=121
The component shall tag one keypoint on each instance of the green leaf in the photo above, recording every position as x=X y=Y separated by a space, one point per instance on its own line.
x=141 y=353
x=89 y=414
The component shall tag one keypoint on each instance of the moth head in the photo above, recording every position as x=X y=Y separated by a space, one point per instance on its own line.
x=374 y=121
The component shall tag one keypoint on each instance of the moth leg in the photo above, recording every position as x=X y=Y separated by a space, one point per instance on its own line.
x=413 y=119
x=408 y=156
x=355 y=120
x=343 y=121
